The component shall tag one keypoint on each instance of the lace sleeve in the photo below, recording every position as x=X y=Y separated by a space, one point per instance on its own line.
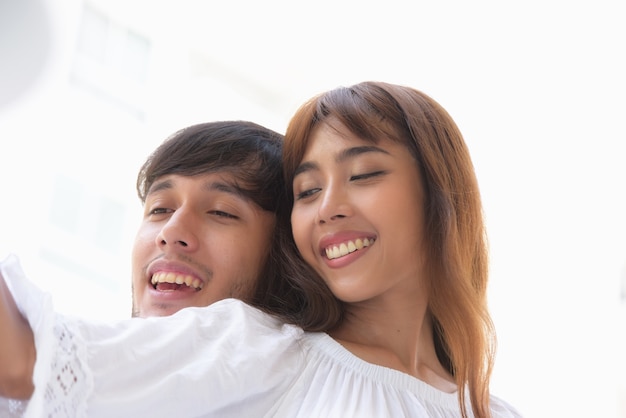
x=12 y=408
x=66 y=391
x=69 y=385
x=61 y=378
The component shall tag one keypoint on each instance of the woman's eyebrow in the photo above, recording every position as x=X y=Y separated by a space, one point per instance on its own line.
x=342 y=156
x=355 y=151
x=304 y=167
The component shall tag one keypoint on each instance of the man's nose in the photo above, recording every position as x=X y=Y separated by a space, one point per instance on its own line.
x=178 y=232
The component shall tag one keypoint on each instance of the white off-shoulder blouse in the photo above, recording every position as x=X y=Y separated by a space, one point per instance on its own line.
x=225 y=360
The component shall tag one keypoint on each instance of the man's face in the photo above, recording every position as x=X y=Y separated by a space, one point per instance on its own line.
x=200 y=241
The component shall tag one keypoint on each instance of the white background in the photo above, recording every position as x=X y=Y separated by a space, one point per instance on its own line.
x=537 y=88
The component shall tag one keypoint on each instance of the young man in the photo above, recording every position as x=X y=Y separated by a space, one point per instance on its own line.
x=210 y=193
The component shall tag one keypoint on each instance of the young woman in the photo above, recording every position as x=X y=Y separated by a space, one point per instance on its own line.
x=381 y=311
x=387 y=211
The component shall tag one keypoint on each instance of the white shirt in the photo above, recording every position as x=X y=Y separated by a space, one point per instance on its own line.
x=225 y=360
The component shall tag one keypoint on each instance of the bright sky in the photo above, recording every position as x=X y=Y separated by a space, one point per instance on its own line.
x=536 y=87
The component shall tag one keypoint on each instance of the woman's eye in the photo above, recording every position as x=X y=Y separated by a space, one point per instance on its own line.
x=366 y=175
x=306 y=193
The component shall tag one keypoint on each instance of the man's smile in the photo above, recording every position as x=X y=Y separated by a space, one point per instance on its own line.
x=172 y=281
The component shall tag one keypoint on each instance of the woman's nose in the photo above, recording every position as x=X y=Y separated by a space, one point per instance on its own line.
x=334 y=205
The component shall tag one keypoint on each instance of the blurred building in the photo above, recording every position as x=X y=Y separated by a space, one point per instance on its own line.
x=88 y=89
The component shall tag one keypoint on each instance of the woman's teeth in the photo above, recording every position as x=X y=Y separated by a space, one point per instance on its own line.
x=347 y=247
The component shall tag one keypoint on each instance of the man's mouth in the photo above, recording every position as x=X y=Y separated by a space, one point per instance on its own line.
x=345 y=248
x=173 y=281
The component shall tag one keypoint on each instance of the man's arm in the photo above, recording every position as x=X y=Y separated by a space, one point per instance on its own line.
x=17 y=349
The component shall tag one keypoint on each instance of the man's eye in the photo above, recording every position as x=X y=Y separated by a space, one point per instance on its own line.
x=306 y=193
x=158 y=211
x=223 y=214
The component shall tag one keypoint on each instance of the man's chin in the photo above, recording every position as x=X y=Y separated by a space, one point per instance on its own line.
x=156 y=310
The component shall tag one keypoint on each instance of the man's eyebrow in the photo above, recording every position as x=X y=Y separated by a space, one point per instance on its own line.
x=342 y=156
x=220 y=186
x=227 y=187
x=157 y=186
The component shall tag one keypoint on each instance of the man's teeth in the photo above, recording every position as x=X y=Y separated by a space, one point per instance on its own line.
x=163 y=277
x=347 y=247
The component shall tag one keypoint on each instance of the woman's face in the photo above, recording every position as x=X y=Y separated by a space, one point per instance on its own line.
x=358 y=216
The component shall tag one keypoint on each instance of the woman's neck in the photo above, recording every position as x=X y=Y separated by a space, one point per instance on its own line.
x=394 y=335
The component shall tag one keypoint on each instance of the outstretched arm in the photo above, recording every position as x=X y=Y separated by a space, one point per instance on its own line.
x=17 y=349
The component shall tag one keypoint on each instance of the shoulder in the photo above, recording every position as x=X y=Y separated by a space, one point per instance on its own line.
x=232 y=310
x=228 y=321
x=234 y=315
